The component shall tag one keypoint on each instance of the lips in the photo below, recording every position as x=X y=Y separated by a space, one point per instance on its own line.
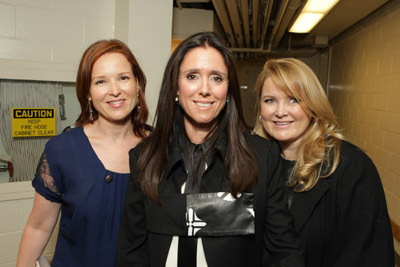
x=282 y=124
x=203 y=104
x=116 y=103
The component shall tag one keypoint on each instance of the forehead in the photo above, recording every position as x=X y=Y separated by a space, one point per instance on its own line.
x=270 y=88
x=204 y=58
x=111 y=61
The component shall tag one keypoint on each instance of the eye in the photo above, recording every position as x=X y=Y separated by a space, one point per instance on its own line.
x=125 y=78
x=191 y=76
x=100 y=82
x=216 y=79
x=293 y=100
x=269 y=100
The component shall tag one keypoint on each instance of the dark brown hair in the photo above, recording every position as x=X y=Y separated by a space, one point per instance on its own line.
x=239 y=161
x=84 y=76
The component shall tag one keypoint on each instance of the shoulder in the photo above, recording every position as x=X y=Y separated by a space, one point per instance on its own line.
x=356 y=168
x=135 y=152
x=260 y=145
x=64 y=140
x=352 y=153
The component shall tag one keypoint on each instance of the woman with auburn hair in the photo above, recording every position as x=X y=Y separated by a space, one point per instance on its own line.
x=333 y=189
x=84 y=171
x=203 y=190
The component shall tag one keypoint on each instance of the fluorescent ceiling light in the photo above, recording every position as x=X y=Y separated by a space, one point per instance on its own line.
x=306 y=22
x=311 y=14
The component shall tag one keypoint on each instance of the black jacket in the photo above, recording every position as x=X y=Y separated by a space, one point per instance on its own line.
x=144 y=241
x=343 y=220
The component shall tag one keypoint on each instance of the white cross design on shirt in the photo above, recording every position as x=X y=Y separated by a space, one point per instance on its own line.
x=193 y=223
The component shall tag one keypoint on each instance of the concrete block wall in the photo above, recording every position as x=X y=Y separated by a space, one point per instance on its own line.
x=44 y=39
x=364 y=88
x=16 y=200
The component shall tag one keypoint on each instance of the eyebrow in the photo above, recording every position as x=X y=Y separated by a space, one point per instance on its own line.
x=212 y=72
x=119 y=74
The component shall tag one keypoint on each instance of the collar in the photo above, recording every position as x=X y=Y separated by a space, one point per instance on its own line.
x=174 y=157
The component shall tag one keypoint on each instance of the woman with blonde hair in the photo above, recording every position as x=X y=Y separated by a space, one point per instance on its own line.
x=333 y=189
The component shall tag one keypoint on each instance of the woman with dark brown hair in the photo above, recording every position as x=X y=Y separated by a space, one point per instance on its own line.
x=84 y=171
x=203 y=190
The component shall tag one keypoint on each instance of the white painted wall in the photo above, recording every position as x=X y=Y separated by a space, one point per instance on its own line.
x=44 y=39
x=150 y=30
x=188 y=21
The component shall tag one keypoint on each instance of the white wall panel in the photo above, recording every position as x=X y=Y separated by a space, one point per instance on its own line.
x=34 y=3
x=48 y=25
x=9 y=211
x=7 y=20
x=96 y=29
x=9 y=244
x=25 y=50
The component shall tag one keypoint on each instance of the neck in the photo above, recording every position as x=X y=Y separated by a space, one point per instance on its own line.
x=109 y=130
x=289 y=150
x=197 y=134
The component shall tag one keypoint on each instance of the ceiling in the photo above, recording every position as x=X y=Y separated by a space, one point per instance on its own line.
x=260 y=27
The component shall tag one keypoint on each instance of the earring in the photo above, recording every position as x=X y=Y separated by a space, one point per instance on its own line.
x=90 y=110
x=177 y=99
x=259 y=118
x=227 y=100
x=138 y=99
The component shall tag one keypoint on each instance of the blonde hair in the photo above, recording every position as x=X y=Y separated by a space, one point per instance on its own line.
x=319 y=151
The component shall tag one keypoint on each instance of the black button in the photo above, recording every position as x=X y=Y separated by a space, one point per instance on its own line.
x=109 y=178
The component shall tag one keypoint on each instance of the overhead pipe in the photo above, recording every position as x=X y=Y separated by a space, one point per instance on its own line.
x=255 y=8
x=246 y=24
x=290 y=12
x=281 y=12
x=268 y=10
x=235 y=19
x=220 y=8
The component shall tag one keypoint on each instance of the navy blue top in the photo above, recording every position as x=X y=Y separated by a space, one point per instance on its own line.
x=70 y=173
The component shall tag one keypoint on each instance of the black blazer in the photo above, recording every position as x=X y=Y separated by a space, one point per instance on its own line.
x=144 y=243
x=343 y=220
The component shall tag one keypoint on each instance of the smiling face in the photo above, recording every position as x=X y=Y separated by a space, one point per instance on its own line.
x=203 y=89
x=282 y=116
x=113 y=88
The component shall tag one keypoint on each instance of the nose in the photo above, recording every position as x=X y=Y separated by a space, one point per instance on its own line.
x=281 y=110
x=205 y=87
x=114 y=88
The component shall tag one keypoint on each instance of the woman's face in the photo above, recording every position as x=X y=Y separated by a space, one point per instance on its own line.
x=282 y=116
x=203 y=88
x=113 y=88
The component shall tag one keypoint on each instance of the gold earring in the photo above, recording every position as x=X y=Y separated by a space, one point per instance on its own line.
x=90 y=110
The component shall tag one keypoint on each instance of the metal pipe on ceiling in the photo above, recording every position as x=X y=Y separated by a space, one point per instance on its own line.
x=255 y=18
x=235 y=20
x=268 y=9
x=291 y=10
x=246 y=25
x=279 y=16
x=220 y=8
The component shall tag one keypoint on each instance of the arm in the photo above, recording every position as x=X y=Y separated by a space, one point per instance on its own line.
x=280 y=236
x=132 y=247
x=38 y=230
x=363 y=236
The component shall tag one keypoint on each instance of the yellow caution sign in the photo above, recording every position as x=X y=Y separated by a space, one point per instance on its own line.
x=31 y=122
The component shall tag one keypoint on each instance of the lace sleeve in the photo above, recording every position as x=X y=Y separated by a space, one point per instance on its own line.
x=44 y=174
